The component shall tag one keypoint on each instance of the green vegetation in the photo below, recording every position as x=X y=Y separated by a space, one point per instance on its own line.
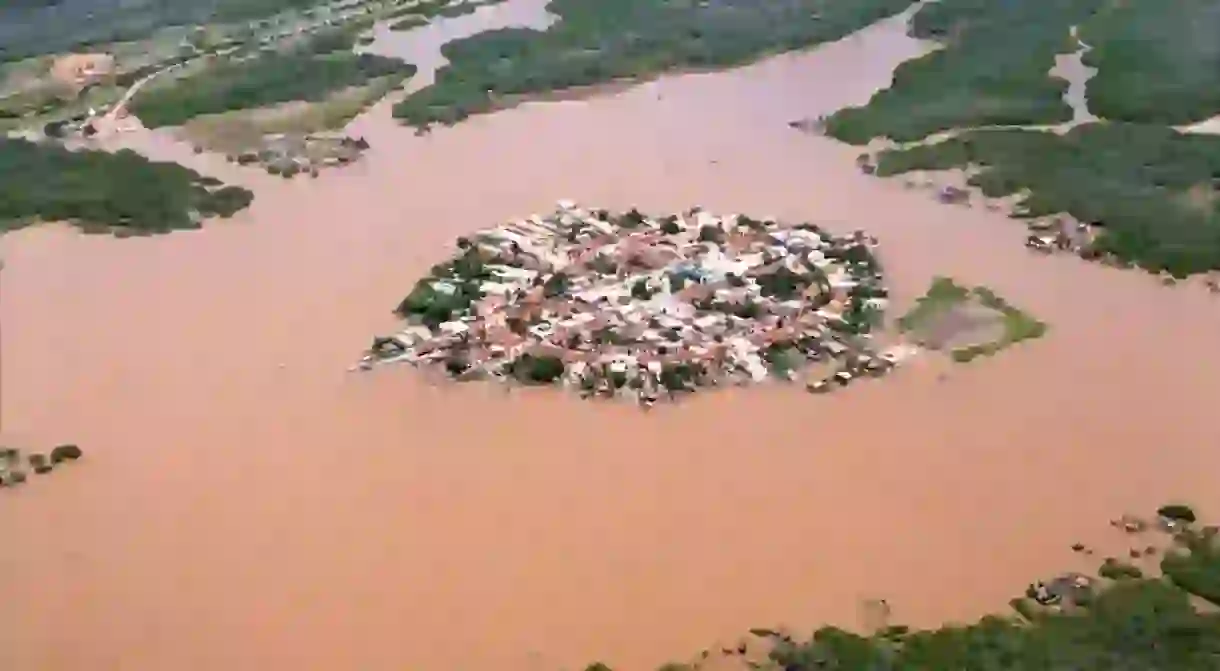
x=1149 y=189
x=310 y=72
x=233 y=11
x=1156 y=62
x=1134 y=625
x=993 y=70
x=1197 y=569
x=1177 y=512
x=1119 y=570
x=420 y=14
x=943 y=294
x=537 y=370
x=449 y=290
x=595 y=42
x=122 y=191
x=945 y=297
x=33 y=27
x=1131 y=624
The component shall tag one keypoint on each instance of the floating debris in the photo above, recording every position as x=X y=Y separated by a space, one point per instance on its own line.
x=12 y=473
x=629 y=305
x=1130 y=524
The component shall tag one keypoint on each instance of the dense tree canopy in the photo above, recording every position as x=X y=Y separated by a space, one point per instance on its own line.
x=596 y=42
x=45 y=182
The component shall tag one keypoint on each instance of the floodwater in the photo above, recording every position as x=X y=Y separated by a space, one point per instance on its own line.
x=245 y=504
x=422 y=46
x=1071 y=67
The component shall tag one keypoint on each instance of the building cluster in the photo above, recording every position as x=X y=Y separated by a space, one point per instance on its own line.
x=1061 y=235
x=289 y=155
x=638 y=306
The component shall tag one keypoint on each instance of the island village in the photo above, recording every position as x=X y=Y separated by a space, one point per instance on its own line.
x=638 y=307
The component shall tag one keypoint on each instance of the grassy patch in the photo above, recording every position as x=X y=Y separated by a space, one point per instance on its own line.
x=236 y=132
x=123 y=191
x=595 y=42
x=945 y=297
x=1139 y=184
x=312 y=72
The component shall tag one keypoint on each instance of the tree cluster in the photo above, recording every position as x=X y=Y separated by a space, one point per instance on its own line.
x=123 y=190
x=596 y=42
x=1150 y=189
x=312 y=72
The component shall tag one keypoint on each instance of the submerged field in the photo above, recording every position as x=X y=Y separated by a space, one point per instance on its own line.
x=968 y=322
x=1149 y=189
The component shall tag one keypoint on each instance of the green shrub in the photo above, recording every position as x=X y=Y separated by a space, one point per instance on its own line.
x=1198 y=569
x=531 y=369
x=1177 y=512
x=1119 y=570
x=62 y=453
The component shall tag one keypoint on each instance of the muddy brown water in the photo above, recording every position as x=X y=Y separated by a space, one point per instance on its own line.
x=245 y=504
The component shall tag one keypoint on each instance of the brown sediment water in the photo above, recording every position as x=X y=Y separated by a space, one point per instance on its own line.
x=245 y=504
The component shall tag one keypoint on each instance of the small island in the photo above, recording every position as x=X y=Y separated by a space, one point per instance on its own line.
x=635 y=306
x=967 y=322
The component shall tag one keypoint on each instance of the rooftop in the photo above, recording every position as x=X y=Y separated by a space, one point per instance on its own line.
x=636 y=306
